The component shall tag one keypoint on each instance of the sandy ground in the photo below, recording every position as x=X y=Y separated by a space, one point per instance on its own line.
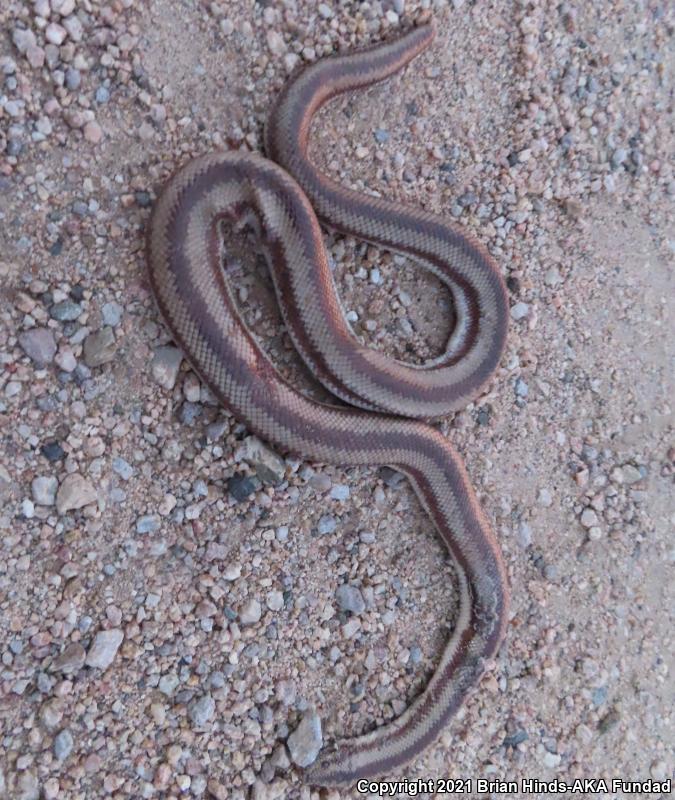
x=168 y=613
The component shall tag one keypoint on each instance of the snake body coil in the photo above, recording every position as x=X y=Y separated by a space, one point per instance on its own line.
x=185 y=257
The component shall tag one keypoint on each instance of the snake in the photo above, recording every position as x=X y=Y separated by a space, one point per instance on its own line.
x=384 y=408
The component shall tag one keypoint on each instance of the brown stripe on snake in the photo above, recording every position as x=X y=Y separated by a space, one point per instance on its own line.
x=186 y=258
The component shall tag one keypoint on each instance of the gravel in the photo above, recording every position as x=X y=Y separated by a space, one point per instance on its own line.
x=172 y=589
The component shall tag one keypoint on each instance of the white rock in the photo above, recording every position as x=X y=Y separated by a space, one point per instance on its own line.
x=104 y=649
x=165 y=366
x=201 y=710
x=545 y=498
x=232 y=572
x=275 y=600
x=551 y=760
x=65 y=359
x=75 y=492
x=251 y=612
x=23 y=38
x=44 y=490
x=306 y=740
x=519 y=311
x=276 y=43
x=524 y=534
x=589 y=518
x=55 y=33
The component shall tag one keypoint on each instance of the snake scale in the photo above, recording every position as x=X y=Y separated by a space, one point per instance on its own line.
x=284 y=199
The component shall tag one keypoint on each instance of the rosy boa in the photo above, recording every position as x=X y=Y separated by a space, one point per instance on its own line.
x=188 y=272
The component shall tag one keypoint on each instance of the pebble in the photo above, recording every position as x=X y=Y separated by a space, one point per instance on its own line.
x=552 y=277
x=340 y=492
x=65 y=311
x=73 y=79
x=55 y=34
x=122 y=468
x=149 y=523
x=545 y=498
x=524 y=534
x=43 y=490
x=467 y=199
x=589 y=518
x=52 y=451
x=306 y=740
x=630 y=474
x=70 y=660
x=595 y=533
x=251 y=612
x=63 y=744
x=165 y=366
x=275 y=43
x=39 y=345
x=75 y=492
x=28 y=508
x=93 y=132
x=327 y=524
x=269 y=466
x=351 y=628
x=231 y=572
x=350 y=599
x=192 y=388
x=551 y=760
x=74 y=28
x=201 y=710
x=104 y=649
x=241 y=487
x=28 y=786
x=275 y=600
x=35 y=56
x=618 y=157
x=291 y=61
x=23 y=38
x=519 y=311
x=168 y=684
x=279 y=758
x=320 y=482
x=99 y=347
x=189 y=413
x=215 y=430
x=282 y=533
x=66 y=360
